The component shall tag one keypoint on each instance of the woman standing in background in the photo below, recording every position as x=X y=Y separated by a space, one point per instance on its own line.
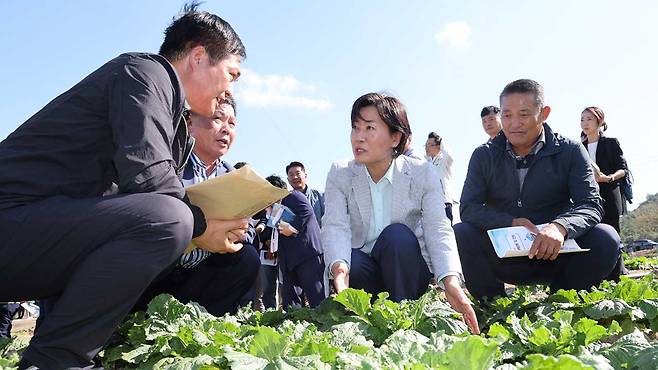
x=610 y=167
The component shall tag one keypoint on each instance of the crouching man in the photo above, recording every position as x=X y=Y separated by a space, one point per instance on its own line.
x=218 y=278
x=526 y=176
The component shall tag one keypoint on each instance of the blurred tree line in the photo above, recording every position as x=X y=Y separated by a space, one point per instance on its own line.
x=641 y=223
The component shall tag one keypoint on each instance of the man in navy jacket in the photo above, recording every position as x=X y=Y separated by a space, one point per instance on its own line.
x=300 y=253
x=526 y=176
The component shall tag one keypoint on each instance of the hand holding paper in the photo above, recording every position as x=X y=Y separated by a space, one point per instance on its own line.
x=287 y=229
x=220 y=236
x=547 y=243
x=237 y=194
x=517 y=241
x=280 y=213
x=525 y=223
x=232 y=197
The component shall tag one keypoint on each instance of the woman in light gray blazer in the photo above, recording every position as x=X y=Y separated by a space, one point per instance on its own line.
x=384 y=227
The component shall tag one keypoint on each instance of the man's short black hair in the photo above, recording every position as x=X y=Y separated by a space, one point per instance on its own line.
x=488 y=110
x=194 y=27
x=525 y=86
x=434 y=136
x=295 y=164
x=277 y=181
x=240 y=165
x=230 y=101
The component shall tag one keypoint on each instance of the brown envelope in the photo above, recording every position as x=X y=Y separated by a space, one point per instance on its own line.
x=237 y=194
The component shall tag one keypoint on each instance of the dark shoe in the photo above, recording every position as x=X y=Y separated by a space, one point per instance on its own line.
x=24 y=364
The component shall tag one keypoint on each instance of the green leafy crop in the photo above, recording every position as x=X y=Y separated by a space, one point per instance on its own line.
x=613 y=326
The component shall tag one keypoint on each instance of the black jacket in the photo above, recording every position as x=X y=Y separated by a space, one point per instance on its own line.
x=559 y=187
x=609 y=158
x=119 y=130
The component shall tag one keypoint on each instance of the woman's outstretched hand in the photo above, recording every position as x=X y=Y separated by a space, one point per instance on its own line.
x=341 y=276
x=460 y=302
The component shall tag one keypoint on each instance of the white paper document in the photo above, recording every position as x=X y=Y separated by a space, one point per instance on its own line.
x=281 y=215
x=515 y=241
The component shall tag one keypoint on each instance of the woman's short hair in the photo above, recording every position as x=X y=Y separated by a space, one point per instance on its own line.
x=390 y=110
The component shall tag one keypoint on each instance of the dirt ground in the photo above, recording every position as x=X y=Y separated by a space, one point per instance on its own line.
x=24 y=326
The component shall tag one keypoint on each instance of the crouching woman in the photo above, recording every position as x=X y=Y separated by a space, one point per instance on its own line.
x=384 y=227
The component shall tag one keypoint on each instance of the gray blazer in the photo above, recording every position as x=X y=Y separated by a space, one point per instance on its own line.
x=418 y=203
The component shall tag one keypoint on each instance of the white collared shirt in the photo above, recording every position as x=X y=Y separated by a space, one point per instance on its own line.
x=381 y=195
x=443 y=164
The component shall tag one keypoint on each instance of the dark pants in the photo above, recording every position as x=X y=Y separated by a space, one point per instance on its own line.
x=308 y=276
x=92 y=258
x=485 y=273
x=269 y=278
x=395 y=265
x=219 y=283
x=449 y=212
x=612 y=206
x=45 y=306
x=7 y=311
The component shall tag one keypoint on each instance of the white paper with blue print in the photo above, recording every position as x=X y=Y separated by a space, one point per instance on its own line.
x=515 y=241
x=280 y=214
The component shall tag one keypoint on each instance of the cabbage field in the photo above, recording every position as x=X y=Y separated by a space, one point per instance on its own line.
x=613 y=326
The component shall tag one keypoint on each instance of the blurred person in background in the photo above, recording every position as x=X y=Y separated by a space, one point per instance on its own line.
x=490 y=116
x=438 y=155
x=610 y=167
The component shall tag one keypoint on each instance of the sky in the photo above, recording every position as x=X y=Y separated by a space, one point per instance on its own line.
x=307 y=62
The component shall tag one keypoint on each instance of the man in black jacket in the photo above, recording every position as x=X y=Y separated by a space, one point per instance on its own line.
x=528 y=176
x=92 y=208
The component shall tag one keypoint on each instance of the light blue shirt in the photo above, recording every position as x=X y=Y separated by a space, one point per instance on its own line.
x=381 y=195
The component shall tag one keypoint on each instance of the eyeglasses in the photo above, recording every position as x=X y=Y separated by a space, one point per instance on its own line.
x=431 y=145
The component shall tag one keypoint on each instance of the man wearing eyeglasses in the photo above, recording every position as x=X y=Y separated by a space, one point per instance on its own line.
x=409 y=151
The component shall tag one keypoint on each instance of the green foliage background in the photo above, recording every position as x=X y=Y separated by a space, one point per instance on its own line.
x=641 y=223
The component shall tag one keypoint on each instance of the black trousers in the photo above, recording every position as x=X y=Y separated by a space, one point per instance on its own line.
x=449 y=212
x=304 y=280
x=7 y=311
x=612 y=206
x=485 y=273
x=92 y=258
x=221 y=283
x=395 y=265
